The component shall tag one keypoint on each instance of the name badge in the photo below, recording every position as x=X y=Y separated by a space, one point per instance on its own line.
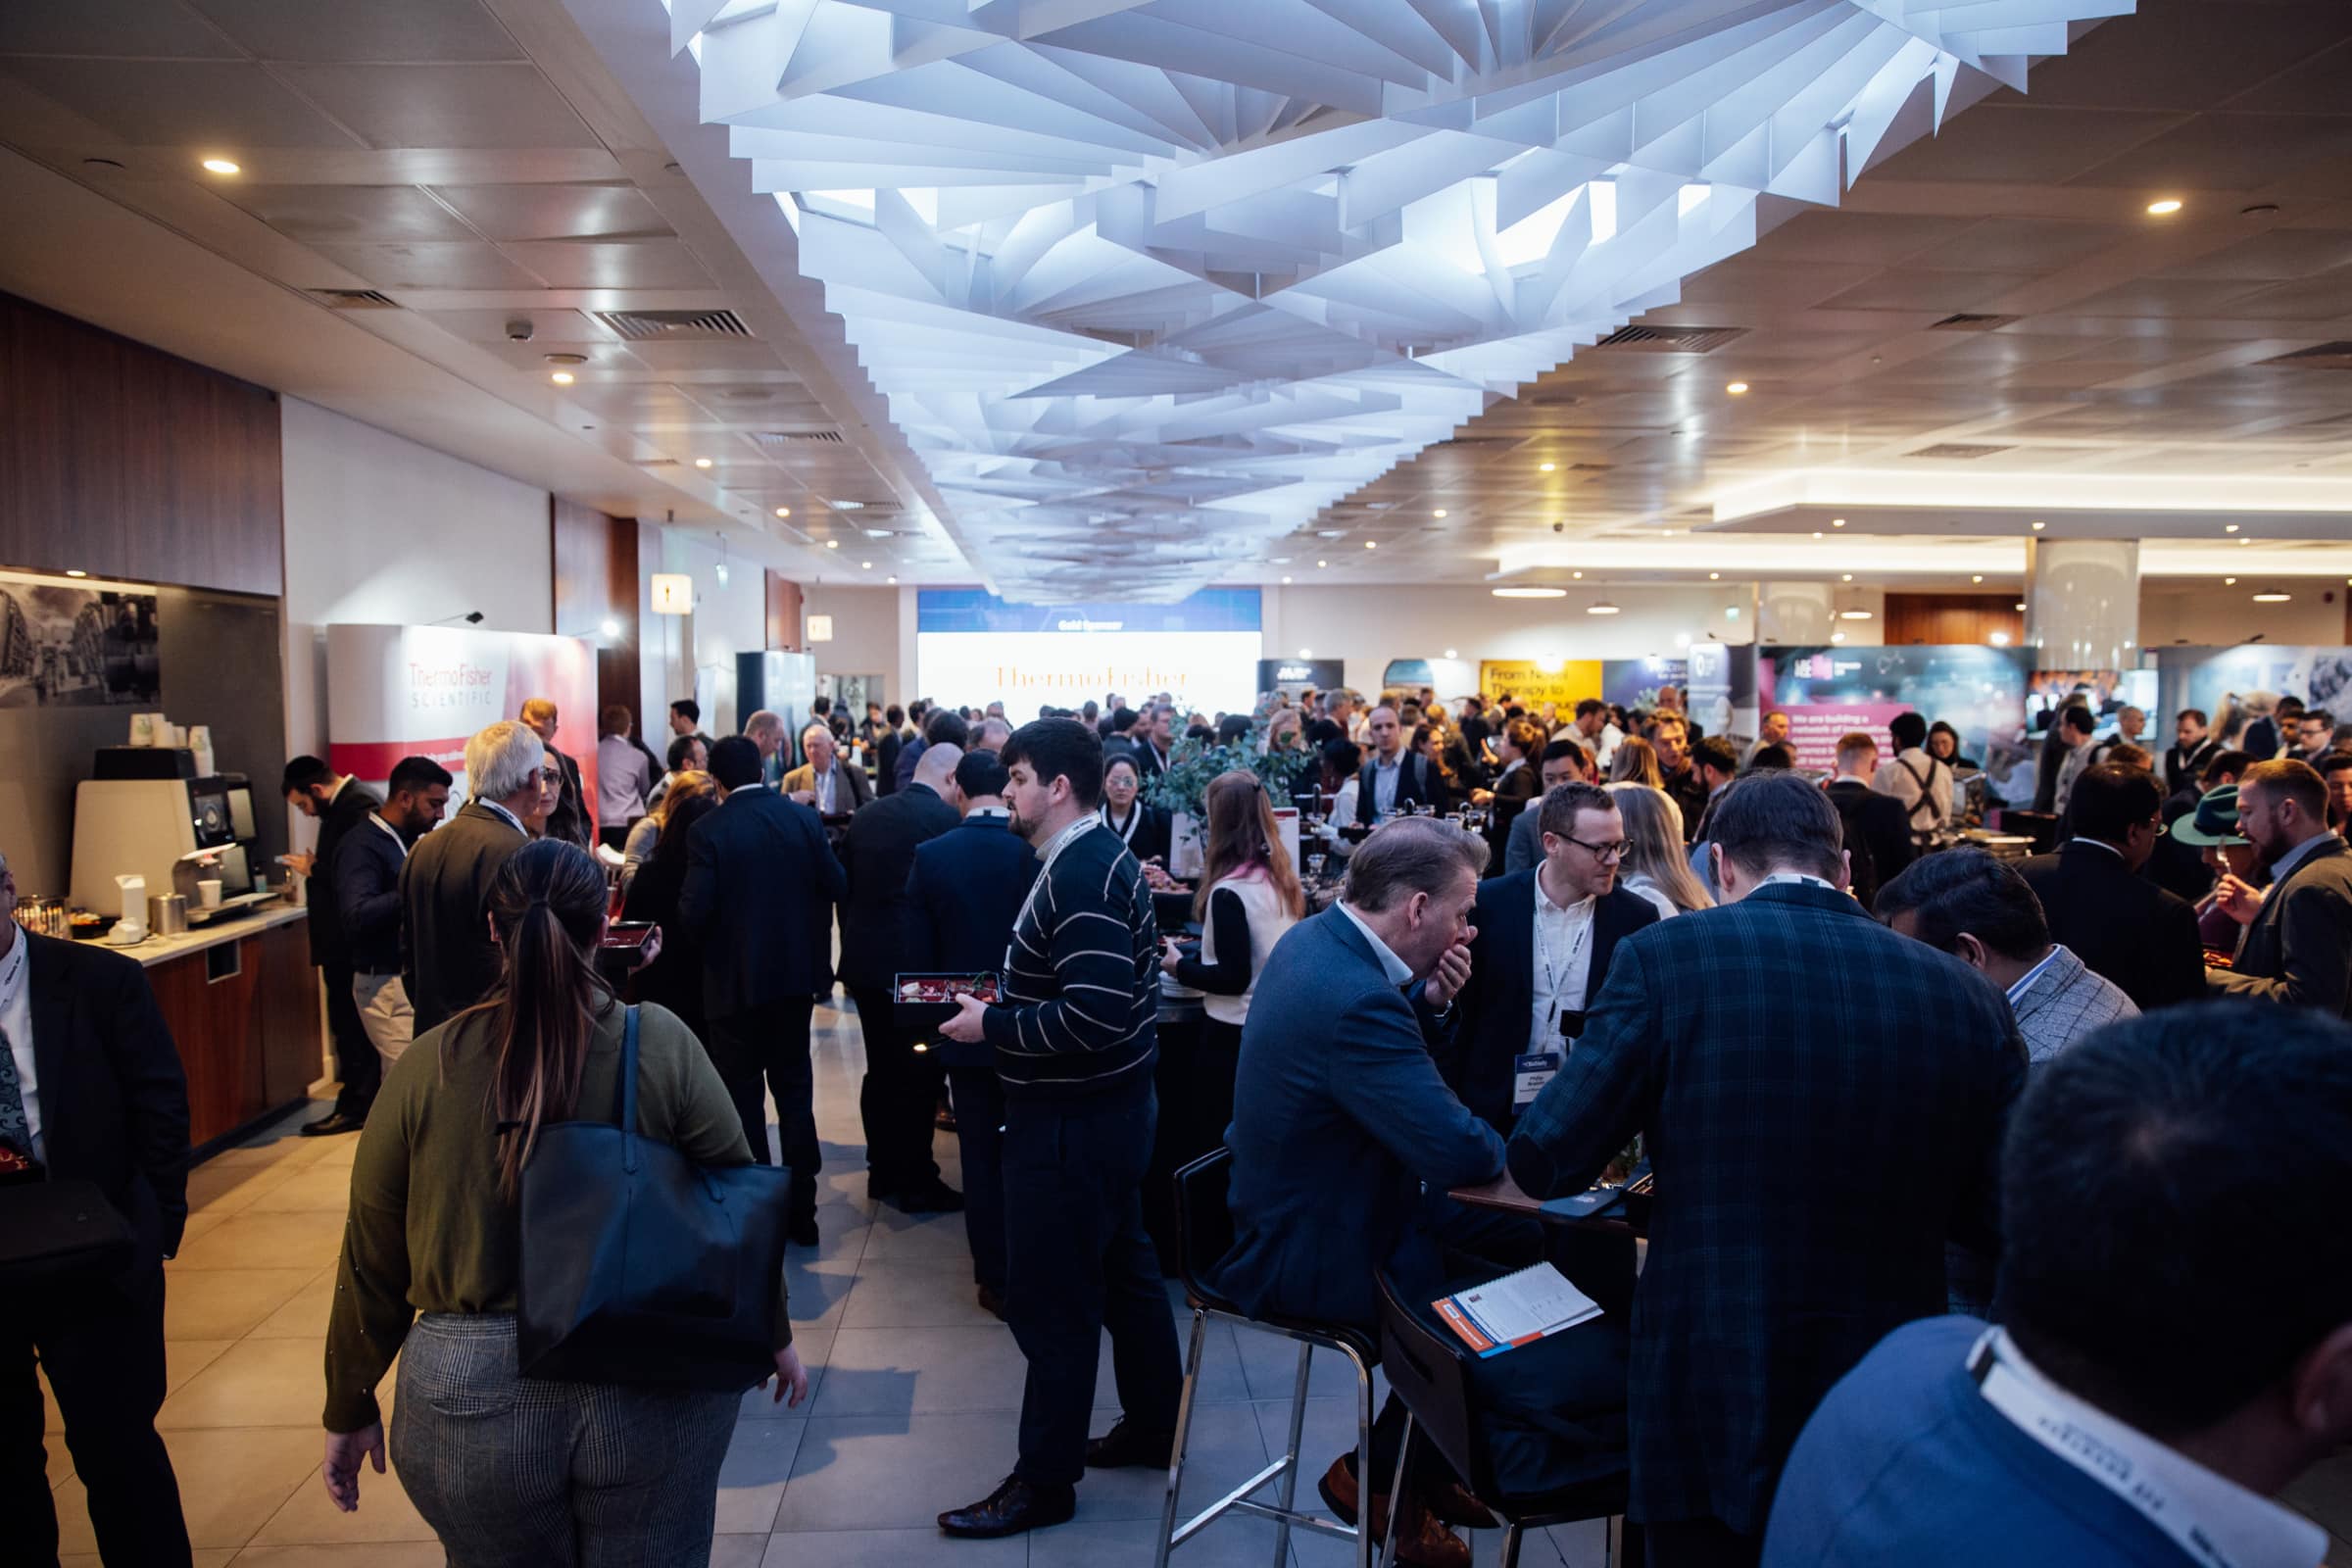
x=1529 y=1073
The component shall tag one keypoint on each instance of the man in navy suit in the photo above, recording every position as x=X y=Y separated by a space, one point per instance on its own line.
x=961 y=899
x=1812 y=1157
x=760 y=884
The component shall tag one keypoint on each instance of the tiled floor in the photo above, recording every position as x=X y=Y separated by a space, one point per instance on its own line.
x=914 y=1393
x=911 y=1407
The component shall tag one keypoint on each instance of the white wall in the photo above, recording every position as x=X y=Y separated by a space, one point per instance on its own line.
x=866 y=634
x=729 y=619
x=379 y=530
x=2215 y=616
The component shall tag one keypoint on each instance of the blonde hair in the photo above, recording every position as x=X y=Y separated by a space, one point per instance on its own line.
x=1653 y=828
x=1637 y=763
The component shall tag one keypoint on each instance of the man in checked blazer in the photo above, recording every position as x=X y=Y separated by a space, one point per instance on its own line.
x=1811 y=1159
x=2298 y=949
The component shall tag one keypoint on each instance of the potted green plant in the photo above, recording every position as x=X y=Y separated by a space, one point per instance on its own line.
x=1182 y=789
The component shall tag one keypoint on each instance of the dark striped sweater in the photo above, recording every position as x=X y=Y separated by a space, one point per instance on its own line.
x=1081 y=979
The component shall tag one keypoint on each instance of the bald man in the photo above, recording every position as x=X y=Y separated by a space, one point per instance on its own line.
x=901 y=1086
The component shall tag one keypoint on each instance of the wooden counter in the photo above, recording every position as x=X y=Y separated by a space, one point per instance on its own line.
x=243 y=1006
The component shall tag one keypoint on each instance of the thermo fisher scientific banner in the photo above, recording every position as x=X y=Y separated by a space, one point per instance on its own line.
x=397 y=691
x=973 y=648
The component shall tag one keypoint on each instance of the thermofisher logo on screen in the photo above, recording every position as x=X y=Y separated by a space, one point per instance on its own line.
x=973 y=647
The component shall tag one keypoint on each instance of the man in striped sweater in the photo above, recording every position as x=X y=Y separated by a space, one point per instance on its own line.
x=1074 y=1039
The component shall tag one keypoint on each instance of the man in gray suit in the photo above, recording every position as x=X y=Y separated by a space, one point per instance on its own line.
x=2298 y=948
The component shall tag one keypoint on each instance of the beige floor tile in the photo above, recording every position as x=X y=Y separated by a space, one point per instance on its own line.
x=198 y=1223
x=310 y=1517
x=817 y=1347
x=216 y=1557
x=215 y=1188
x=737 y=1551
x=256 y=1383
x=750 y=1482
x=304 y=1316
x=226 y=1303
x=184 y=1359
x=285 y=1149
x=308 y=1240
x=60 y=1462
x=229 y=1483
x=365 y=1555
x=318 y=1186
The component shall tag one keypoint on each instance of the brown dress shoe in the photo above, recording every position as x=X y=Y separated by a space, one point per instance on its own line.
x=1458 y=1506
x=1421 y=1539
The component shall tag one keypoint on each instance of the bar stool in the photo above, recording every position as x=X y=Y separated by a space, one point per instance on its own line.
x=1426 y=1372
x=1205 y=1228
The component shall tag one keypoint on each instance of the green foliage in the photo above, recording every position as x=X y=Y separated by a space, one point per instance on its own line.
x=1184 y=787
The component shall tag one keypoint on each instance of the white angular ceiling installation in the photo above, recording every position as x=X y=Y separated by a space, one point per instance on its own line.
x=1147 y=283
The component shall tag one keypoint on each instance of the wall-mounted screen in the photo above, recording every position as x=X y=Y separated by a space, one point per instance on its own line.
x=973 y=648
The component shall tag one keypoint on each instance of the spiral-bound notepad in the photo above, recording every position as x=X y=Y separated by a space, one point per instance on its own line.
x=1516 y=1309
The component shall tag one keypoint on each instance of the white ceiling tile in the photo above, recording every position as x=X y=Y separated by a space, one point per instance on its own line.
x=611 y=263
x=2023 y=143
x=347 y=213
x=138 y=27
x=556 y=212
x=198 y=106
x=430 y=265
x=443 y=106
x=362 y=29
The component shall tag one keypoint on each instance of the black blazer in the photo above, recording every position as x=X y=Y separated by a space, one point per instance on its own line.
x=676 y=978
x=1513 y=792
x=1491 y=1016
x=885 y=774
x=877 y=855
x=447 y=959
x=569 y=820
x=114 y=1096
x=2299 y=948
x=1878 y=836
x=347 y=811
x=760 y=886
x=962 y=896
x=2121 y=926
x=1149 y=830
x=1418 y=783
x=2184 y=767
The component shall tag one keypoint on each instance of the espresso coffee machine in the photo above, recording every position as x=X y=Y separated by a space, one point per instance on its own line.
x=145 y=812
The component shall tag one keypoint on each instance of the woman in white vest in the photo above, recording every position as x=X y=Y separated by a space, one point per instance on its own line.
x=1248 y=897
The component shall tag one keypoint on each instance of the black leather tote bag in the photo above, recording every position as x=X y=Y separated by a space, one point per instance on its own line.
x=641 y=1267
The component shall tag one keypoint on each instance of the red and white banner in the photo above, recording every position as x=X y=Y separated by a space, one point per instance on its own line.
x=424 y=690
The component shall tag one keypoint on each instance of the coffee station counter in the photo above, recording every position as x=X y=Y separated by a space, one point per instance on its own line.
x=163 y=950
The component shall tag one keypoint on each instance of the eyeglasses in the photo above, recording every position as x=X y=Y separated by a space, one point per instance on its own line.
x=1602 y=851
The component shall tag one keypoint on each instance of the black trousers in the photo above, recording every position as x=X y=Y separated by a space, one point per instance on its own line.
x=102 y=1350
x=1077 y=1261
x=899 y=1099
x=1701 y=1544
x=761 y=1051
x=980 y=1137
x=357 y=1067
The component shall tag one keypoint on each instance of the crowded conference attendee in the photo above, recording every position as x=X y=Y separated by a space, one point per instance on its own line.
x=338 y=804
x=1879 y=842
x=829 y=781
x=1395 y=777
x=673 y=977
x=2298 y=947
x=1142 y=827
x=1517 y=783
x=1922 y=783
x=1075 y=1039
x=1763 y=1285
x=2157 y=1181
x=760 y=887
x=508 y=1468
x=942 y=726
x=93 y=1139
x=568 y=819
x=2077 y=730
x=448 y=959
x=365 y=885
x=2117 y=921
x=2193 y=746
x=1564 y=763
x=624 y=777
x=1677 y=774
x=965 y=891
x=1656 y=866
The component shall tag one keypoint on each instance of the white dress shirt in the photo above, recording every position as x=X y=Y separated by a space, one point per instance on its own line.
x=1563 y=968
x=1386 y=771
x=826 y=780
x=1895 y=779
x=2286 y=863
x=1396 y=968
x=16 y=1017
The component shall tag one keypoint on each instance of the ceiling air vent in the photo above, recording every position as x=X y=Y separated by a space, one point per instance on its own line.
x=794 y=438
x=353 y=298
x=1956 y=451
x=1965 y=323
x=1478 y=441
x=674 y=326
x=2318 y=356
x=658 y=462
x=1591 y=468
x=1671 y=339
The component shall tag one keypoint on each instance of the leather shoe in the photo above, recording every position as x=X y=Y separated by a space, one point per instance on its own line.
x=1457 y=1506
x=333 y=1122
x=933 y=1196
x=992 y=1302
x=1421 y=1539
x=802 y=1231
x=1012 y=1508
x=1127 y=1445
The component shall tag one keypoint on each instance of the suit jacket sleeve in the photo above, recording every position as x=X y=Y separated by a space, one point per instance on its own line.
x=834 y=880
x=698 y=900
x=155 y=1090
x=363 y=911
x=914 y=936
x=1596 y=1104
x=2180 y=952
x=1382 y=1073
x=1525 y=847
x=2313 y=925
x=407 y=930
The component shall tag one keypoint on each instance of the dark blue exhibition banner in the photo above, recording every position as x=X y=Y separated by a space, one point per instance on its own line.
x=977 y=609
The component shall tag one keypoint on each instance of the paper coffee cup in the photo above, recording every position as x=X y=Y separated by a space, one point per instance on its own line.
x=208 y=894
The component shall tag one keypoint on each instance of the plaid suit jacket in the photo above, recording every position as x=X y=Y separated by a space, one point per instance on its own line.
x=2066 y=1002
x=1823 y=1102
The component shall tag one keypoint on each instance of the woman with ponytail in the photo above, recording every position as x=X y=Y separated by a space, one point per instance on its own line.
x=509 y=1471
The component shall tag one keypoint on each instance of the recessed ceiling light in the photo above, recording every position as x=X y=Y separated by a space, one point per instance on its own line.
x=1329 y=533
x=1576 y=574
x=866 y=565
x=1665 y=533
x=1371 y=544
x=1836 y=636
x=2229 y=583
x=702 y=463
x=1737 y=388
x=2229 y=527
x=1602 y=607
x=2037 y=527
x=2165 y=208
x=1979 y=577
x=1281 y=561
x=832 y=544
x=1322 y=563
x=1853 y=615
x=560 y=377
x=1532 y=593
x=783 y=511
x=1714 y=576
x=76 y=571
x=1849 y=577
x=1306 y=653
x=2021 y=605
x=1817 y=533
x=1836 y=522
x=1286 y=580
x=2273 y=597
x=1999 y=639
x=2244 y=541
x=1545 y=467
x=1450 y=654
x=1440 y=512
x=877 y=533
x=889 y=580
x=220 y=166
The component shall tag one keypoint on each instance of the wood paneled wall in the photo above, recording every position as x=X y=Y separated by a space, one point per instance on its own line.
x=1953 y=619
x=121 y=461
x=596 y=581
x=783 y=613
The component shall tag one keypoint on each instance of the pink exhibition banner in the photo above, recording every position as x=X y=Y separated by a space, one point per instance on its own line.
x=424 y=690
x=1814 y=729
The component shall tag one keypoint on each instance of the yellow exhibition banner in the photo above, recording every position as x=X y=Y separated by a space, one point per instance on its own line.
x=1537 y=681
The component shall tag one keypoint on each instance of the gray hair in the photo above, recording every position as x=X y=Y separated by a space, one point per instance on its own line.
x=763 y=721
x=501 y=759
x=1411 y=854
x=820 y=727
